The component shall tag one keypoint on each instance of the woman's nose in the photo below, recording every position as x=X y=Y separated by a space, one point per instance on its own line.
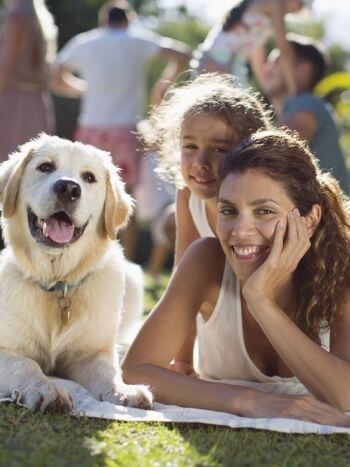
x=241 y=227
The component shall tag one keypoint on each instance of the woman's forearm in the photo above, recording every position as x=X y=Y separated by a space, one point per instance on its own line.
x=325 y=375
x=173 y=388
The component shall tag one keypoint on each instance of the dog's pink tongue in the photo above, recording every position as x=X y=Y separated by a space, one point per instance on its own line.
x=58 y=231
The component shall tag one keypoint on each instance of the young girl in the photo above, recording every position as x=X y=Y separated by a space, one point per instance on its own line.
x=248 y=24
x=192 y=129
x=273 y=294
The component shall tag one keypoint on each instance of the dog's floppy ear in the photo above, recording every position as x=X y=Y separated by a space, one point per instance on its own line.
x=118 y=205
x=11 y=172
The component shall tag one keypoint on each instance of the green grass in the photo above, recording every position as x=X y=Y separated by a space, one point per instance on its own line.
x=28 y=439
x=154 y=290
x=34 y=439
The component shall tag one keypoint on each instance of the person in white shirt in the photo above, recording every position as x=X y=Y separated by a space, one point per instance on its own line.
x=111 y=62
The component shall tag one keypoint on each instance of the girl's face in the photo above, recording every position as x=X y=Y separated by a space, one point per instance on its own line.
x=204 y=140
x=250 y=204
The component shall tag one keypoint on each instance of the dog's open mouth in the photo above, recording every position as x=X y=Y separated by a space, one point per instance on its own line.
x=57 y=230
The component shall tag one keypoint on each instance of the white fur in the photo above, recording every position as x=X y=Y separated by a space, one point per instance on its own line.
x=34 y=342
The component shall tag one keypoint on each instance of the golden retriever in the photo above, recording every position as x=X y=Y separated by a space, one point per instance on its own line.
x=62 y=274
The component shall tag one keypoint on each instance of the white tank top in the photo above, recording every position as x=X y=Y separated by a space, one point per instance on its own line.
x=222 y=354
x=199 y=216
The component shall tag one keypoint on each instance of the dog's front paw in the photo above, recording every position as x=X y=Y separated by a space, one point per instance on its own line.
x=46 y=397
x=131 y=395
x=139 y=396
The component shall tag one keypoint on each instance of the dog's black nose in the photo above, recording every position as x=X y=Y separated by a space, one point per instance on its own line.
x=67 y=190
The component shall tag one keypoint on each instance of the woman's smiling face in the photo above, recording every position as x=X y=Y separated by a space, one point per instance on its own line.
x=250 y=205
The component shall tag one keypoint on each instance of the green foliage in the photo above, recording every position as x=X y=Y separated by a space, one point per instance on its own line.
x=191 y=31
x=311 y=28
x=339 y=58
x=144 y=6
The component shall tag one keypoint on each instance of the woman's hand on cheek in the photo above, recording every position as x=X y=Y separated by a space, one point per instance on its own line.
x=285 y=255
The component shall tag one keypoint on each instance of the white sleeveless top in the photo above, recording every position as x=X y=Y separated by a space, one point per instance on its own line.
x=222 y=354
x=199 y=216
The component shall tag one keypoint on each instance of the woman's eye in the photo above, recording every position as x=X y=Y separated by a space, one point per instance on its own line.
x=225 y=211
x=89 y=177
x=46 y=167
x=265 y=212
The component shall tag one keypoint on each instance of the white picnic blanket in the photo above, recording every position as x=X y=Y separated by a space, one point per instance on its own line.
x=86 y=405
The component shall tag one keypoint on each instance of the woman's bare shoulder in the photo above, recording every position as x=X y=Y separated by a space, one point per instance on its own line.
x=204 y=257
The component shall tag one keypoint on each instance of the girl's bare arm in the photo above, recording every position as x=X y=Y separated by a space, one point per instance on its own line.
x=186 y=232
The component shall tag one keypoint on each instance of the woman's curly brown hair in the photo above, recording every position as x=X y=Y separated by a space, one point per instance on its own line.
x=322 y=278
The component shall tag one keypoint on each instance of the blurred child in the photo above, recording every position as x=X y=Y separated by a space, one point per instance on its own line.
x=247 y=24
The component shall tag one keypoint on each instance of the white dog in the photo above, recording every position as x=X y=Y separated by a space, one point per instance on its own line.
x=62 y=274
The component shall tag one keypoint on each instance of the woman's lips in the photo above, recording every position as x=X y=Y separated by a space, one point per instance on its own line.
x=248 y=251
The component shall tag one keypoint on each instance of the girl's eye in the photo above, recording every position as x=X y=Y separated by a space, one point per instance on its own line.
x=220 y=150
x=190 y=146
x=89 y=177
x=46 y=167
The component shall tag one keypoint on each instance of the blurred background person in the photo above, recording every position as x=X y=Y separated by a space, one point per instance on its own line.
x=111 y=62
x=155 y=211
x=229 y=45
x=27 y=47
x=310 y=115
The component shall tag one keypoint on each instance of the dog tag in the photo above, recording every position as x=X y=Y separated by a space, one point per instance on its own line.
x=64 y=304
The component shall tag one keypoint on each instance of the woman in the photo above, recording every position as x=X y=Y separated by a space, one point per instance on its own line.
x=27 y=46
x=273 y=297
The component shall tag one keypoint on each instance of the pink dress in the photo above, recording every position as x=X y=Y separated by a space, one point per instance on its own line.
x=25 y=104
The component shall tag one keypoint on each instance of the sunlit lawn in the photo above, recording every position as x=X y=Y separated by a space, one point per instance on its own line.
x=28 y=439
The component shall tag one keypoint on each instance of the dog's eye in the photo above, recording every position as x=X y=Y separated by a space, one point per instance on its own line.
x=46 y=167
x=89 y=177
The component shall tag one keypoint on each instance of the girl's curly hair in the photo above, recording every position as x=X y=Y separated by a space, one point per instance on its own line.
x=214 y=94
x=322 y=278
